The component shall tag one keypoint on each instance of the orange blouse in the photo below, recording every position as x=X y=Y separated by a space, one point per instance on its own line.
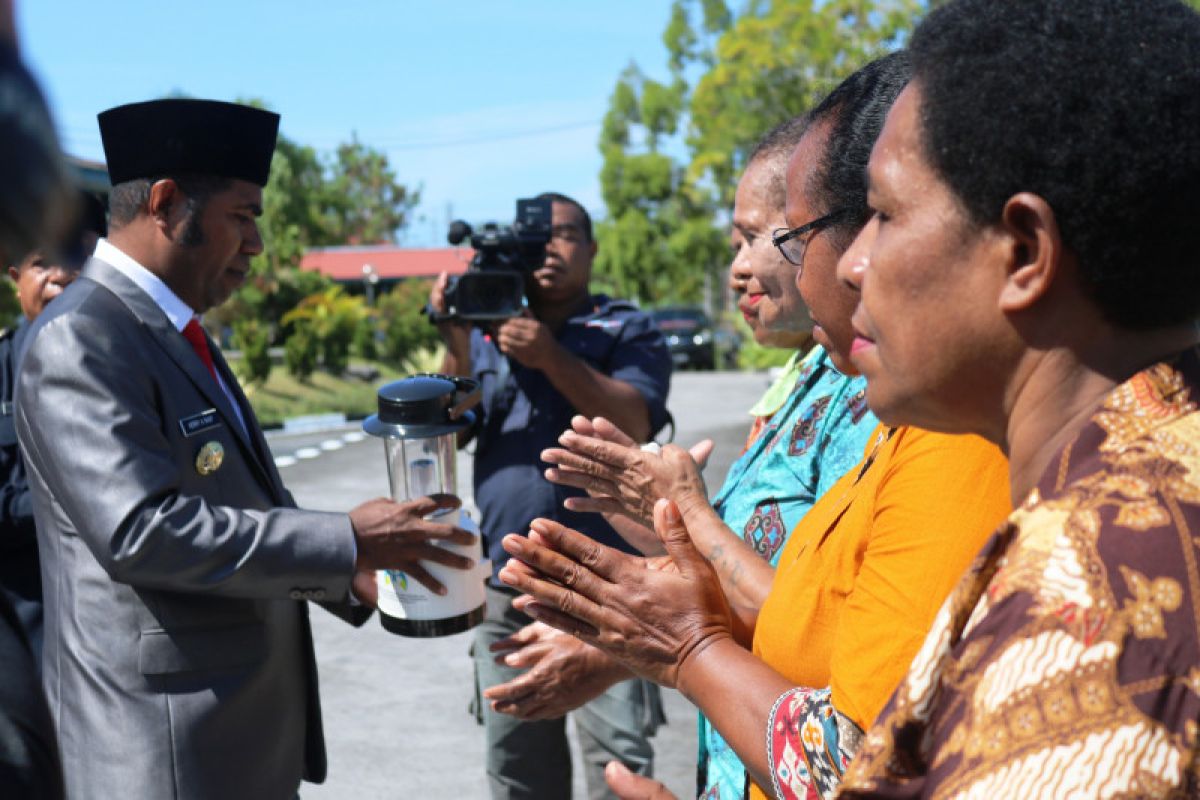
x=866 y=570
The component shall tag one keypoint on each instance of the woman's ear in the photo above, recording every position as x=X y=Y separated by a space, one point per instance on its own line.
x=1035 y=251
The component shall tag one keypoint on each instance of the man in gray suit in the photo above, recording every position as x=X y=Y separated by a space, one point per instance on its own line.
x=178 y=657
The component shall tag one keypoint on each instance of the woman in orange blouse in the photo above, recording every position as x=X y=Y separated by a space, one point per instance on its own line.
x=862 y=575
x=855 y=596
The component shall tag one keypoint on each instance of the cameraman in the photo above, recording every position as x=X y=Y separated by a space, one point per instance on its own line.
x=571 y=352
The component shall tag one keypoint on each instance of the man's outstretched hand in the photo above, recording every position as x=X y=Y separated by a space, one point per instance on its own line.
x=391 y=535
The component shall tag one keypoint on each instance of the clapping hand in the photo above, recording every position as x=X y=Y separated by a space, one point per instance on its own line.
x=628 y=785
x=563 y=673
x=652 y=620
x=619 y=476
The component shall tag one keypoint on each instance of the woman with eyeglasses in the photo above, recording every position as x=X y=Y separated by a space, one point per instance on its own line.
x=809 y=429
x=862 y=575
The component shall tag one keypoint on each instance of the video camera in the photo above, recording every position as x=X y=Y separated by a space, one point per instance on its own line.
x=493 y=287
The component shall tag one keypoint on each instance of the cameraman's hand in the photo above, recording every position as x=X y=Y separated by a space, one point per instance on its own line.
x=527 y=340
x=391 y=535
x=455 y=333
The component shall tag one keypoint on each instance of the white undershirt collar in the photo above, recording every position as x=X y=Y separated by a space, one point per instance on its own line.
x=176 y=310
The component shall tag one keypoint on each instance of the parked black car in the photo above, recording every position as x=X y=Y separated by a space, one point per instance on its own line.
x=689 y=334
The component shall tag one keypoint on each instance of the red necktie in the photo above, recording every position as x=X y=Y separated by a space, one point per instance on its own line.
x=199 y=342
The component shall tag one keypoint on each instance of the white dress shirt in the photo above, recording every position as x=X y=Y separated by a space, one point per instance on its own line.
x=177 y=311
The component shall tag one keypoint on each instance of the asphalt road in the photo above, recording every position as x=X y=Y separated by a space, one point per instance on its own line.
x=396 y=721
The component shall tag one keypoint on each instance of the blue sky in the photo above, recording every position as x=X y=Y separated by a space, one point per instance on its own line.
x=479 y=102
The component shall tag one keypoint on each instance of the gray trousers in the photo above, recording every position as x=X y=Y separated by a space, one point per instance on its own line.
x=531 y=760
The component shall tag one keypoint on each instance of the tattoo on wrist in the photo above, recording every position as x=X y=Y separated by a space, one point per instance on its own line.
x=735 y=573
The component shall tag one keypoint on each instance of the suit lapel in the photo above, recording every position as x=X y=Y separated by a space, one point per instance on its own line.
x=256 y=439
x=180 y=351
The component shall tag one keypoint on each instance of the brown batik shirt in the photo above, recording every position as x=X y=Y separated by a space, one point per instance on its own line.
x=1067 y=662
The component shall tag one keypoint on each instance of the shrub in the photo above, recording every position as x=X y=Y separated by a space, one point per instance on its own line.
x=335 y=349
x=330 y=318
x=252 y=338
x=300 y=353
x=366 y=339
x=406 y=331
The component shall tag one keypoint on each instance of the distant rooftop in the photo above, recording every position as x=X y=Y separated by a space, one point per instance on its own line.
x=389 y=262
x=92 y=175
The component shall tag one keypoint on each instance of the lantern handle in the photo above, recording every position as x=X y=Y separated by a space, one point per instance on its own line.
x=467 y=388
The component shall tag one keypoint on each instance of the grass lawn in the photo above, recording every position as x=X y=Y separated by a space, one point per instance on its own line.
x=282 y=396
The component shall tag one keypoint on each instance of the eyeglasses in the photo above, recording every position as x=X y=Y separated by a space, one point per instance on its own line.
x=789 y=242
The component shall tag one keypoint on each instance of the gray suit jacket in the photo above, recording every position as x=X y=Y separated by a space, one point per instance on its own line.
x=178 y=657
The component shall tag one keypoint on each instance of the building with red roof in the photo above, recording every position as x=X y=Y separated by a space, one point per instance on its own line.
x=388 y=263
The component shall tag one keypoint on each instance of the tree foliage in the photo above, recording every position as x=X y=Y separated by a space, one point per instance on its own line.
x=366 y=204
x=673 y=149
x=406 y=331
x=773 y=63
x=349 y=196
x=647 y=248
x=352 y=196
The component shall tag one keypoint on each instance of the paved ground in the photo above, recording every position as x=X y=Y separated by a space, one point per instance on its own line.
x=395 y=709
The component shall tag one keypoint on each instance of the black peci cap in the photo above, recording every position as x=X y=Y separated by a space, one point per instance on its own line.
x=199 y=137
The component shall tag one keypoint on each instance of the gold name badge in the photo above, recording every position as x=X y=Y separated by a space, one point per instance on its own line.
x=209 y=459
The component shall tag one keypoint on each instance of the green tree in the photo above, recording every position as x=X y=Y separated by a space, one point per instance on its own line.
x=366 y=204
x=673 y=150
x=649 y=248
x=772 y=63
x=366 y=338
x=349 y=196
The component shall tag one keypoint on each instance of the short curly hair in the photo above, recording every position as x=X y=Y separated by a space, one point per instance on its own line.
x=585 y=219
x=127 y=200
x=1093 y=106
x=855 y=111
x=774 y=150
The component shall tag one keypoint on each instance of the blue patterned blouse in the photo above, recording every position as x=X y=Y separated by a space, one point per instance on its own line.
x=813 y=438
